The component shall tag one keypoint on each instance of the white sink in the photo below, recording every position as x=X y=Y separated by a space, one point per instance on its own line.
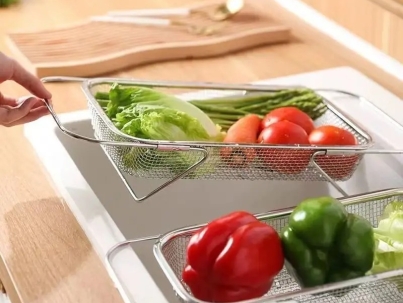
x=108 y=214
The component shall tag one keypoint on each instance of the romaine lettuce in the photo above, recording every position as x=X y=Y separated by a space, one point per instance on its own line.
x=149 y=114
x=389 y=239
x=146 y=113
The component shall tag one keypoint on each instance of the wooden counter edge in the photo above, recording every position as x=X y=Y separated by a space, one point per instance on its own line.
x=8 y=282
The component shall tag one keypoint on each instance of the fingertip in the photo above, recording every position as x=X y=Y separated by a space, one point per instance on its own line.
x=47 y=102
x=46 y=94
x=28 y=80
x=39 y=89
x=39 y=103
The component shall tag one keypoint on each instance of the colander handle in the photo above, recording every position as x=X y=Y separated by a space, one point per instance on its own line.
x=77 y=136
x=162 y=147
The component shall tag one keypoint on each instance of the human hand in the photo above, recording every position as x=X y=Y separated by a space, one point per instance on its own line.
x=15 y=111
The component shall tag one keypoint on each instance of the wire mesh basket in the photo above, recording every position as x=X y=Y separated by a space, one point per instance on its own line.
x=171 y=161
x=224 y=161
x=387 y=287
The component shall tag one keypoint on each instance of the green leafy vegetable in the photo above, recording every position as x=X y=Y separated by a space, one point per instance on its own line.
x=389 y=239
x=160 y=123
x=146 y=113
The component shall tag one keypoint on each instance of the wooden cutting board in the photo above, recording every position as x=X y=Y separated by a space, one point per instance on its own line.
x=94 y=48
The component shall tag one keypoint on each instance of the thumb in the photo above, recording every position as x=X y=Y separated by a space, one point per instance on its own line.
x=9 y=114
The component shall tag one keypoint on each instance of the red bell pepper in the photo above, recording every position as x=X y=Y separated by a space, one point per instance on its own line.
x=233 y=258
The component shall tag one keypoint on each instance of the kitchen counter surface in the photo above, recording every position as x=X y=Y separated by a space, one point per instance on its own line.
x=393 y=6
x=45 y=255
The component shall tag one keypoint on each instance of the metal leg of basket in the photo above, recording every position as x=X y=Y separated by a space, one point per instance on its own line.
x=164 y=147
x=109 y=266
x=164 y=185
x=325 y=175
x=373 y=151
x=355 y=152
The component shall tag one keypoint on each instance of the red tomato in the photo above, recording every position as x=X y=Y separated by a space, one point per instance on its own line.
x=331 y=135
x=283 y=132
x=337 y=167
x=288 y=161
x=291 y=114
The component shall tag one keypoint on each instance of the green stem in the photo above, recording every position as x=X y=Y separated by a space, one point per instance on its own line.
x=301 y=101
x=245 y=100
x=225 y=117
x=220 y=110
x=265 y=105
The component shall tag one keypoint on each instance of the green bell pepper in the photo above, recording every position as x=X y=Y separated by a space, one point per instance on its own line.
x=324 y=243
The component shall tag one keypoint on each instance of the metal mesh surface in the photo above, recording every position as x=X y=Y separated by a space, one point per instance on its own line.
x=230 y=161
x=386 y=291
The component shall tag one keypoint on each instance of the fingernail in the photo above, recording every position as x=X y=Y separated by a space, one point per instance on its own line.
x=23 y=99
x=27 y=102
